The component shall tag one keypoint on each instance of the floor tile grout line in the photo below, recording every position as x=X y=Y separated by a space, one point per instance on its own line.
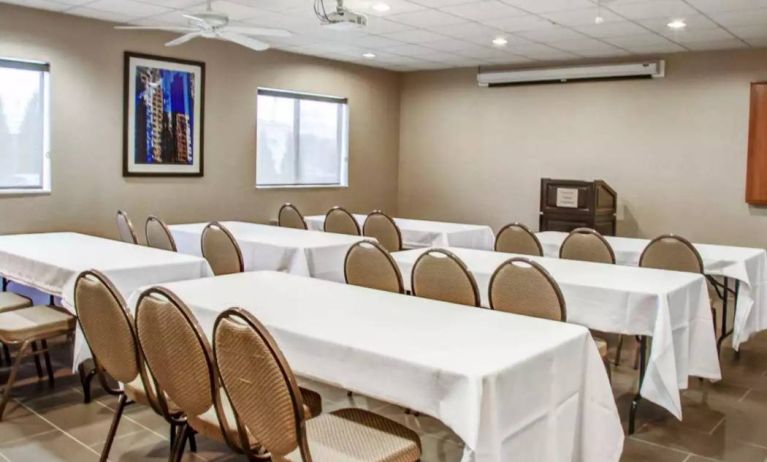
x=745 y=395
x=26 y=437
x=127 y=417
x=100 y=444
x=633 y=438
x=66 y=433
x=687 y=458
x=718 y=424
x=3 y=457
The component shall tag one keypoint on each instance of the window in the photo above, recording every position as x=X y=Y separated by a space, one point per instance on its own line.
x=24 y=127
x=303 y=140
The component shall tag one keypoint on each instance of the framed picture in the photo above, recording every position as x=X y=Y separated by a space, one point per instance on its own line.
x=163 y=119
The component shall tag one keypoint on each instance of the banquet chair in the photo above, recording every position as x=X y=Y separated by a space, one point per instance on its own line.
x=221 y=250
x=674 y=253
x=268 y=402
x=110 y=334
x=290 y=217
x=522 y=286
x=517 y=238
x=586 y=244
x=368 y=264
x=27 y=326
x=440 y=275
x=10 y=301
x=383 y=228
x=158 y=234
x=339 y=220
x=125 y=228
x=180 y=359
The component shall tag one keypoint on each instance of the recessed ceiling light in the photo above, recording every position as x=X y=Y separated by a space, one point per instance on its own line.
x=599 y=20
x=677 y=24
x=369 y=55
x=500 y=41
x=381 y=7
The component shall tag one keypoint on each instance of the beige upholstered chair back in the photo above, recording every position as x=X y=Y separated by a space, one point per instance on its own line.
x=290 y=217
x=382 y=227
x=176 y=350
x=524 y=287
x=586 y=244
x=107 y=326
x=221 y=250
x=517 y=238
x=368 y=264
x=158 y=235
x=440 y=275
x=259 y=382
x=125 y=228
x=671 y=252
x=339 y=220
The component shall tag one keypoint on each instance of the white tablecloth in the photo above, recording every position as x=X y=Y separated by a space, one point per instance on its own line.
x=51 y=262
x=670 y=306
x=422 y=233
x=513 y=388
x=747 y=265
x=265 y=247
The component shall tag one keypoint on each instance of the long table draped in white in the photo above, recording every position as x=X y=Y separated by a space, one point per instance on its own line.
x=513 y=388
x=669 y=306
x=265 y=247
x=747 y=265
x=422 y=233
x=51 y=262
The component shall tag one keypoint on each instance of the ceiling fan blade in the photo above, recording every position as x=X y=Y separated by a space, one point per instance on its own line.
x=167 y=28
x=196 y=19
x=258 y=31
x=183 y=39
x=247 y=42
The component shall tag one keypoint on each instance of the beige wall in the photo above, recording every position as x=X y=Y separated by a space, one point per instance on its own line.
x=674 y=149
x=86 y=58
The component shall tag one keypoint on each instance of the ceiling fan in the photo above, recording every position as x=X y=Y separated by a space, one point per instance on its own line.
x=215 y=25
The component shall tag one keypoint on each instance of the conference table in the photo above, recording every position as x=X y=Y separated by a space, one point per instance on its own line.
x=51 y=263
x=423 y=233
x=670 y=307
x=746 y=266
x=265 y=247
x=511 y=387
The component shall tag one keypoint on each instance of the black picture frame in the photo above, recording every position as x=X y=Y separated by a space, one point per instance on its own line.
x=133 y=169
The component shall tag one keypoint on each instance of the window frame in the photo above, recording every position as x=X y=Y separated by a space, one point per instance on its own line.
x=44 y=187
x=343 y=128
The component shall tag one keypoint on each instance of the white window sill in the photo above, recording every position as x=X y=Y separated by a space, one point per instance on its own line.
x=304 y=186
x=25 y=192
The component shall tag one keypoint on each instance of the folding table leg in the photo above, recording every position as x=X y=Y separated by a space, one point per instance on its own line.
x=725 y=300
x=642 y=370
x=85 y=380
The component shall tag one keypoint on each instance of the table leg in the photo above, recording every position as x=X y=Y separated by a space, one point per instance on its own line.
x=735 y=311
x=85 y=380
x=725 y=298
x=642 y=370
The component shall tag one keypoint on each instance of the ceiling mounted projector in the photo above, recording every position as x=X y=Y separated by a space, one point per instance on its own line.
x=340 y=19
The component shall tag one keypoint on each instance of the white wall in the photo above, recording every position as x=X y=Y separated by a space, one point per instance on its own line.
x=674 y=149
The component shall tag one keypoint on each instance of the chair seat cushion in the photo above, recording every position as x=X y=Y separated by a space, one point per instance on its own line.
x=354 y=435
x=34 y=322
x=10 y=301
x=601 y=346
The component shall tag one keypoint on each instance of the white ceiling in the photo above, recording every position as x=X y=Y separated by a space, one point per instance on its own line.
x=437 y=34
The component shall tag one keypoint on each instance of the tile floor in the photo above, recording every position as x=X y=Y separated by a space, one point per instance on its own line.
x=726 y=421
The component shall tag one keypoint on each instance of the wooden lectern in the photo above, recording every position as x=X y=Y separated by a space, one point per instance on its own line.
x=570 y=204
